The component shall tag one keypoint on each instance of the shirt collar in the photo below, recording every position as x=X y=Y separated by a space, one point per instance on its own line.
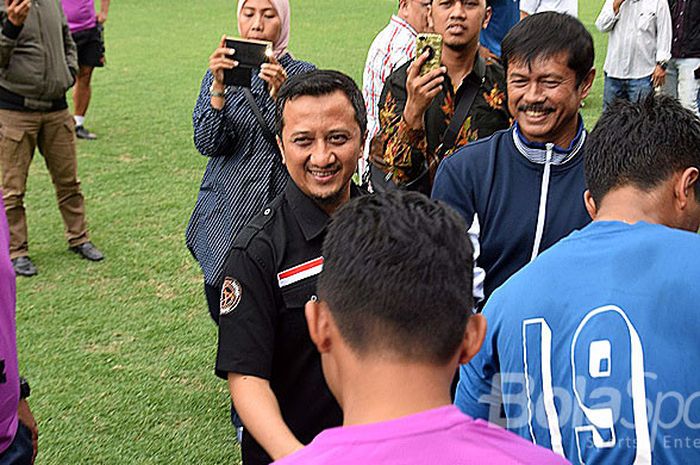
x=400 y=22
x=536 y=152
x=311 y=218
x=476 y=76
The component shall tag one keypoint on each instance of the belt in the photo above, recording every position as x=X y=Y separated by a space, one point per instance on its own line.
x=31 y=103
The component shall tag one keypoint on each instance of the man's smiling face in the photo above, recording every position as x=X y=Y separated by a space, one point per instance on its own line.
x=321 y=144
x=545 y=98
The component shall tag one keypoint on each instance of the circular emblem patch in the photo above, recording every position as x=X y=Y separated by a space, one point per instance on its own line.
x=231 y=293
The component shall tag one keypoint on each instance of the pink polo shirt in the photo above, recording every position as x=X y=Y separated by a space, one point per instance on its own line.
x=9 y=378
x=439 y=436
x=80 y=14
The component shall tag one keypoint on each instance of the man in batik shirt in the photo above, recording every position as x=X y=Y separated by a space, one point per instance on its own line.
x=416 y=110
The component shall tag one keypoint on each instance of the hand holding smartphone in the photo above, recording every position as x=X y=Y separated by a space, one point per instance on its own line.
x=249 y=54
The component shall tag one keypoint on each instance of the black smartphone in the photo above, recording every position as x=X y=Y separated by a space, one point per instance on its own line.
x=249 y=54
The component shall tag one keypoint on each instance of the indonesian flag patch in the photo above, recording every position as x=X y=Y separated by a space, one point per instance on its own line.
x=231 y=293
x=299 y=272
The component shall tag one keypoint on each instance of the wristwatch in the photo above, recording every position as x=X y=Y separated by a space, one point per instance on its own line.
x=662 y=64
x=216 y=93
x=24 y=389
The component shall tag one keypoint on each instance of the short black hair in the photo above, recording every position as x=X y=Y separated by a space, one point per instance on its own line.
x=641 y=144
x=317 y=83
x=546 y=34
x=397 y=276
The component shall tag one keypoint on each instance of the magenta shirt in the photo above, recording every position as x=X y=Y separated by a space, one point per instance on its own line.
x=80 y=14
x=9 y=377
x=440 y=436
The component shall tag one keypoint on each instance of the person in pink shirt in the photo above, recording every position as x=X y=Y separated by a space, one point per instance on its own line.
x=18 y=430
x=86 y=28
x=392 y=328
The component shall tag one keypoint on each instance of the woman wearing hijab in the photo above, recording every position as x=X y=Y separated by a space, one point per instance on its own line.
x=245 y=169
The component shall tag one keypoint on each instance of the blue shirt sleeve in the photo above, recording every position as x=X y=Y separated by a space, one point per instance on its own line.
x=213 y=133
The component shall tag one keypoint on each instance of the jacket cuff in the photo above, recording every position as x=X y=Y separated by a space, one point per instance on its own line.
x=11 y=31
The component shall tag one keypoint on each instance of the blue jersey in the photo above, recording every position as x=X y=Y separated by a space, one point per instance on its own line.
x=506 y=14
x=593 y=348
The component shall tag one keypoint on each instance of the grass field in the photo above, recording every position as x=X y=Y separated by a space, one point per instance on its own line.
x=120 y=353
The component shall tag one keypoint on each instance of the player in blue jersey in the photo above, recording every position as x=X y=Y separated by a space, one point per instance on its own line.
x=592 y=349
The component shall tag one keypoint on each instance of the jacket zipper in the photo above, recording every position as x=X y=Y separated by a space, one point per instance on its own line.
x=544 y=191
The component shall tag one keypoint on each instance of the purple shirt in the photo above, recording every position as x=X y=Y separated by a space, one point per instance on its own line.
x=80 y=14
x=9 y=377
x=442 y=435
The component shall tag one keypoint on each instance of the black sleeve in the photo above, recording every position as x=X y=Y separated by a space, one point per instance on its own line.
x=247 y=317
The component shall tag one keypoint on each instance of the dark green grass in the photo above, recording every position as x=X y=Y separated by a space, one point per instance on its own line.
x=120 y=353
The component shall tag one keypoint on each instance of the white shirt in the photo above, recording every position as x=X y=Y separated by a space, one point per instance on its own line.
x=640 y=36
x=531 y=7
x=393 y=46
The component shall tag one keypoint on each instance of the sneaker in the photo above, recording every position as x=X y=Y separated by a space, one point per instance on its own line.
x=23 y=266
x=88 y=251
x=82 y=133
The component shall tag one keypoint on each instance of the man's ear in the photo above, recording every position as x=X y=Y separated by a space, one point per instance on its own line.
x=587 y=83
x=319 y=322
x=591 y=207
x=403 y=7
x=685 y=188
x=474 y=335
x=281 y=147
x=487 y=17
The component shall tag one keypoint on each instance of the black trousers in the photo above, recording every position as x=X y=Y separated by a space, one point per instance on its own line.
x=20 y=451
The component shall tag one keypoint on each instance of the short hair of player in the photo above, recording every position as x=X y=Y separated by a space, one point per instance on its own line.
x=641 y=144
x=398 y=276
x=319 y=83
x=546 y=34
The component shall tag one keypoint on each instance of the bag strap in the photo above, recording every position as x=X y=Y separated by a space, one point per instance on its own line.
x=464 y=104
x=267 y=133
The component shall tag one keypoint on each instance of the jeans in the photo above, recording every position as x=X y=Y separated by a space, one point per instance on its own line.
x=681 y=82
x=633 y=90
x=20 y=451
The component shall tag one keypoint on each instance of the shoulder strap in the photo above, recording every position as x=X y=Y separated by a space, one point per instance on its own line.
x=463 y=106
x=267 y=133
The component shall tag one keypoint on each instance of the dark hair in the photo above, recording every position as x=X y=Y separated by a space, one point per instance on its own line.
x=317 y=83
x=398 y=276
x=642 y=144
x=546 y=34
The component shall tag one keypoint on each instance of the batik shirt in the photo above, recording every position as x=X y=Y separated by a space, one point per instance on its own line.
x=405 y=151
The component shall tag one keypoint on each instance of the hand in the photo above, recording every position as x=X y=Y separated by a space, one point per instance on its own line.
x=25 y=416
x=274 y=74
x=658 y=77
x=219 y=61
x=421 y=90
x=17 y=10
x=101 y=17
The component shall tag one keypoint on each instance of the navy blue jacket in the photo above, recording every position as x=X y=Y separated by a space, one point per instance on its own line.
x=496 y=185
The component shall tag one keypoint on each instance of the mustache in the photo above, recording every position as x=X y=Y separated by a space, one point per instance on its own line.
x=539 y=107
x=332 y=167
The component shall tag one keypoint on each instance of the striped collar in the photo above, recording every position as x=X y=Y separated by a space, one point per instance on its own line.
x=536 y=152
x=402 y=23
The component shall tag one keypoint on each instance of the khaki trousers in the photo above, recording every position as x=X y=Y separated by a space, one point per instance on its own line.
x=53 y=132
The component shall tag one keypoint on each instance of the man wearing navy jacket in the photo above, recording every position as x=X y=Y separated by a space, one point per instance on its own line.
x=521 y=190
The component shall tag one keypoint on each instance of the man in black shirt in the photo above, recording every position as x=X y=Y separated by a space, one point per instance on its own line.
x=265 y=352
